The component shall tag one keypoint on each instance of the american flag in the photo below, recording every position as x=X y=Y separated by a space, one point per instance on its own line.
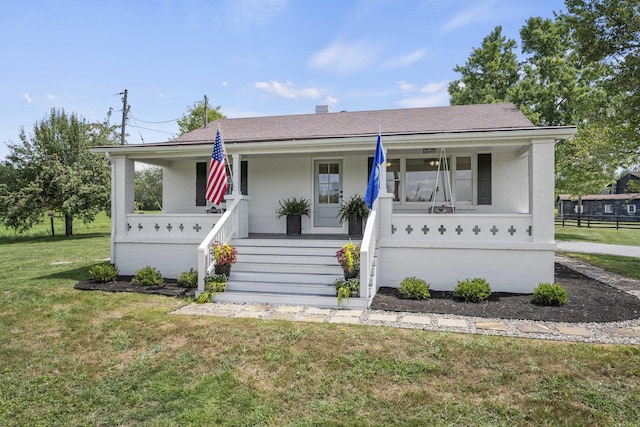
x=217 y=181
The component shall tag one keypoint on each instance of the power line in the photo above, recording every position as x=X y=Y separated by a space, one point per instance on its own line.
x=138 y=128
x=153 y=130
x=166 y=121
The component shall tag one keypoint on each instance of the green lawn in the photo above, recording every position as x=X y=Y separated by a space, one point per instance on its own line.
x=627 y=266
x=78 y=358
x=599 y=235
x=101 y=224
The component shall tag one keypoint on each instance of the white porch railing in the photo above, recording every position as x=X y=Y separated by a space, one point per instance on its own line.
x=367 y=255
x=224 y=230
x=169 y=226
x=461 y=228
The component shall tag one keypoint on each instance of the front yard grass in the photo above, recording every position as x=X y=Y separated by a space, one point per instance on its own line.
x=626 y=266
x=72 y=357
x=598 y=235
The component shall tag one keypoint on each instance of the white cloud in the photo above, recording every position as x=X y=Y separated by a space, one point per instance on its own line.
x=287 y=90
x=436 y=96
x=161 y=95
x=480 y=12
x=51 y=96
x=27 y=98
x=345 y=57
x=251 y=12
x=406 y=87
x=330 y=100
x=438 y=100
x=433 y=87
x=406 y=60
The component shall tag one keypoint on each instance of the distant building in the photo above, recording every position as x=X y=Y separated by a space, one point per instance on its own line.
x=621 y=186
x=601 y=205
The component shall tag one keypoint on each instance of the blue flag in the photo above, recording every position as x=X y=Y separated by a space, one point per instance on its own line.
x=374 y=179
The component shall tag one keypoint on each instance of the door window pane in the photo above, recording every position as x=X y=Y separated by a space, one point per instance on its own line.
x=328 y=183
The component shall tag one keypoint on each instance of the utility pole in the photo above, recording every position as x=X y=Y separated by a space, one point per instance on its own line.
x=125 y=112
x=206 y=115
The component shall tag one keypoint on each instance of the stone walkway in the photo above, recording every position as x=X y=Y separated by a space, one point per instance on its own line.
x=626 y=332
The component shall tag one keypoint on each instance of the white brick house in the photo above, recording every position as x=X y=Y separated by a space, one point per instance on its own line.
x=496 y=192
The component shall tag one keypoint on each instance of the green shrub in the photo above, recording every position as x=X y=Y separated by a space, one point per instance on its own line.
x=148 y=276
x=212 y=284
x=103 y=273
x=550 y=294
x=414 y=288
x=346 y=288
x=217 y=283
x=469 y=290
x=189 y=279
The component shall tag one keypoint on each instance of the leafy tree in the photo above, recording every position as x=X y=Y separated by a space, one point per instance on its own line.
x=554 y=89
x=607 y=32
x=489 y=73
x=148 y=188
x=633 y=186
x=554 y=86
x=53 y=170
x=587 y=162
x=5 y=173
x=194 y=118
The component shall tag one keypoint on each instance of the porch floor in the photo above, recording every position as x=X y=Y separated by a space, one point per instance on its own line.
x=302 y=236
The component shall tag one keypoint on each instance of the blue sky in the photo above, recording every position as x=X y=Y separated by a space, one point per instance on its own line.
x=250 y=57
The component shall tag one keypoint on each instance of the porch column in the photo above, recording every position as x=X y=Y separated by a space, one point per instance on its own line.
x=122 y=197
x=236 y=175
x=385 y=211
x=541 y=190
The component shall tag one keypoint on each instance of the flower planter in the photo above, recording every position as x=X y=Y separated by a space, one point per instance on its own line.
x=294 y=225
x=223 y=269
x=351 y=274
x=355 y=227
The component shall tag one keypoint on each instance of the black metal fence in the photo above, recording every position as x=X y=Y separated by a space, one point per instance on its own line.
x=619 y=222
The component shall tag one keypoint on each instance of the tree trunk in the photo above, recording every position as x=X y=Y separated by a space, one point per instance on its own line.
x=68 y=225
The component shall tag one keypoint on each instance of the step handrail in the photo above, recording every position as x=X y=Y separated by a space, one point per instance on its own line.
x=223 y=231
x=367 y=255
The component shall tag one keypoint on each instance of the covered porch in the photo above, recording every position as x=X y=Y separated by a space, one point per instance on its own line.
x=466 y=192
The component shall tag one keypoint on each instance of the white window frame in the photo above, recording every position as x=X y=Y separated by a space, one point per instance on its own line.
x=608 y=209
x=451 y=158
x=631 y=209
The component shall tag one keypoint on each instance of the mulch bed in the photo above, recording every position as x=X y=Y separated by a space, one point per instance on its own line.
x=589 y=301
x=171 y=288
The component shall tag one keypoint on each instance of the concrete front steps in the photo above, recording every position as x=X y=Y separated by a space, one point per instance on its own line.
x=285 y=271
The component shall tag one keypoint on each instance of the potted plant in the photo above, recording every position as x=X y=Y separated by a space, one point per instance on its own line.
x=346 y=288
x=293 y=208
x=349 y=259
x=354 y=211
x=224 y=256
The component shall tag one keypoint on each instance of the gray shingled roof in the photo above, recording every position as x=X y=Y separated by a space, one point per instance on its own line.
x=362 y=123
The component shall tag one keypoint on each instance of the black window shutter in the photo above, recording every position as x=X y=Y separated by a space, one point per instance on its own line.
x=201 y=183
x=244 y=175
x=484 y=179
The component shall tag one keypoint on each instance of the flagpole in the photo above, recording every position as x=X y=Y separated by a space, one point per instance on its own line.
x=375 y=180
x=226 y=158
x=383 y=168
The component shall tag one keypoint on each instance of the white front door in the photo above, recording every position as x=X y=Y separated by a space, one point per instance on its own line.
x=328 y=193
